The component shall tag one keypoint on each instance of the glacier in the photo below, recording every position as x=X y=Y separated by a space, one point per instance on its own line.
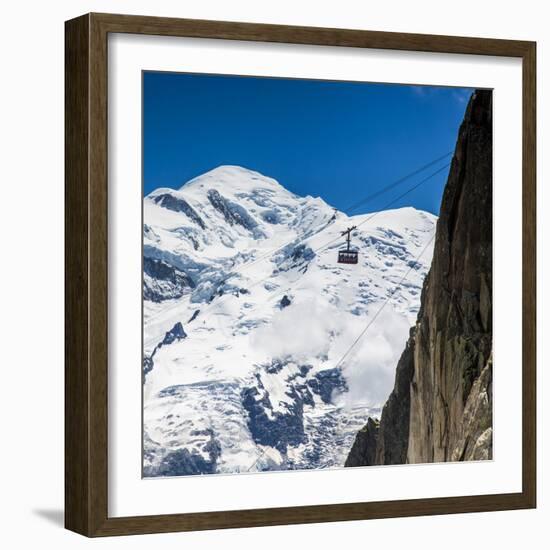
x=247 y=314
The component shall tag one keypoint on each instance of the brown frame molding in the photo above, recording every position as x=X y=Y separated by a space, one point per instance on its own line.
x=86 y=318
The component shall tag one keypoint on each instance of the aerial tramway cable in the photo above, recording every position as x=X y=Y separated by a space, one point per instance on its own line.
x=391 y=203
x=344 y=356
x=318 y=249
x=384 y=303
x=367 y=219
x=361 y=202
x=390 y=186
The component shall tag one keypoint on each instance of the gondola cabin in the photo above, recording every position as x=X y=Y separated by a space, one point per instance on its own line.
x=347 y=255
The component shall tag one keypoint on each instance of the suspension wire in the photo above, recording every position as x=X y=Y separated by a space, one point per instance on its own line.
x=367 y=219
x=391 y=203
x=344 y=422
x=318 y=249
x=369 y=324
x=389 y=187
x=386 y=301
x=362 y=202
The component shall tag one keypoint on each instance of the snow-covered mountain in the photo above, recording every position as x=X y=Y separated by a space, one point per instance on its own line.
x=246 y=317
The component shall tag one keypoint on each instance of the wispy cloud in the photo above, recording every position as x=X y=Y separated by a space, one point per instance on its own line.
x=462 y=95
x=419 y=90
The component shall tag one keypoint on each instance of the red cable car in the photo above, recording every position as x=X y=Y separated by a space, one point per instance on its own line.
x=347 y=255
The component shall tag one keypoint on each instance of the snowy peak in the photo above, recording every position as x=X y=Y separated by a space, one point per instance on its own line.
x=234 y=179
x=222 y=211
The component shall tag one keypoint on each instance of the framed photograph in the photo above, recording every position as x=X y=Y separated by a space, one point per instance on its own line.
x=300 y=275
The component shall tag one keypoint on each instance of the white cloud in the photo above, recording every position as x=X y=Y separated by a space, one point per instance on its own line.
x=370 y=367
x=301 y=330
x=306 y=330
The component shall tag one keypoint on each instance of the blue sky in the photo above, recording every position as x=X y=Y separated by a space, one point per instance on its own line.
x=339 y=140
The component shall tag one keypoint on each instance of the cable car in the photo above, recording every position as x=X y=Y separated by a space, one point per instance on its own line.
x=347 y=255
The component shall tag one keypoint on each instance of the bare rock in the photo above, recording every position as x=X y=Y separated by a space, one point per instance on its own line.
x=363 y=451
x=441 y=406
x=476 y=436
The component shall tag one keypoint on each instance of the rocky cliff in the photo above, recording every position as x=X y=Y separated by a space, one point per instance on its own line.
x=441 y=406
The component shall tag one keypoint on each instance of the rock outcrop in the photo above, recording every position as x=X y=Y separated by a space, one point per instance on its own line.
x=175 y=334
x=363 y=451
x=441 y=406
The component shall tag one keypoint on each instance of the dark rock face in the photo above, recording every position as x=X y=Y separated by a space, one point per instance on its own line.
x=302 y=252
x=394 y=422
x=232 y=212
x=147 y=365
x=475 y=440
x=177 y=204
x=363 y=451
x=454 y=333
x=163 y=282
x=282 y=425
x=325 y=382
x=182 y=462
x=194 y=316
x=285 y=302
x=276 y=429
x=175 y=334
x=441 y=406
x=271 y=216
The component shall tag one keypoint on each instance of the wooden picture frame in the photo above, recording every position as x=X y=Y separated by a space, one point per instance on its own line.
x=86 y=282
